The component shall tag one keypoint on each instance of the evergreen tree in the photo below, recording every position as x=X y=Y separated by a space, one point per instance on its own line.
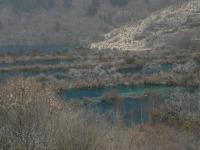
x=67 y=3
x=93 y=8
x=27 y=5
x=119 y=2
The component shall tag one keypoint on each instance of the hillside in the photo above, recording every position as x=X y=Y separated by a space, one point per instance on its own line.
x=30 y=22
x=175 y=27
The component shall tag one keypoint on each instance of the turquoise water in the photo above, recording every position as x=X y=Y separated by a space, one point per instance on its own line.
x=165 y=67
x=131 y=70
x=124 y=91
x=33 y=73
x=134 y=108
x=36 y=62
x=38 y=48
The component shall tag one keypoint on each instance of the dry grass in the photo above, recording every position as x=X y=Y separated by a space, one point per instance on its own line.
x=31 y=118
x=161 y=137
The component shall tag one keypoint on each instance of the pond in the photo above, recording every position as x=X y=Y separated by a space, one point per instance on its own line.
x=131 y=70
x=38 y=48
x=167 y=67
x=147 y=70
x=36 y=62
x=35 y=73
x=134 y=108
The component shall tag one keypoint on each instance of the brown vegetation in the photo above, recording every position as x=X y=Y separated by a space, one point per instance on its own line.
x=161 y=137
x=112 y=96
x=31 y=118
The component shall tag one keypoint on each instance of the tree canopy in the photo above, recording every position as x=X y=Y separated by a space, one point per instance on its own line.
x=119 y=2
x=26 y=5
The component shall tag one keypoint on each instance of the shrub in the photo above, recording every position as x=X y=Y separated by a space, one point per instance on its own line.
x=112 y=96
x=130 y=60
x=31 y=117
x=1 y=26
x=182 y=110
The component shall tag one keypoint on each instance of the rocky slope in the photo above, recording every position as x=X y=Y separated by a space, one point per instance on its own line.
x=175 y=27
x=80 y=23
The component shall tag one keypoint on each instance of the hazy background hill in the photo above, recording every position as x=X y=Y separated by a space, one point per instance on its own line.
x=176 y=27
x=33 y=22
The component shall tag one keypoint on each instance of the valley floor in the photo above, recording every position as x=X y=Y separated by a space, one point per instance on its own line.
x=81 y=68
